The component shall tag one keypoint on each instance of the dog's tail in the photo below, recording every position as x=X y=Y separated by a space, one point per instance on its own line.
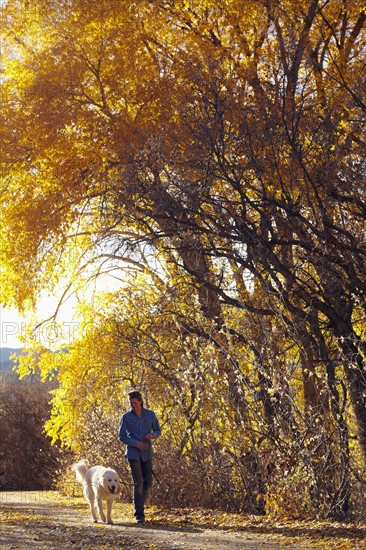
x=80 y=469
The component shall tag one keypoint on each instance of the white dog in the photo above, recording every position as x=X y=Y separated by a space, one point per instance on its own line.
x=99 y=484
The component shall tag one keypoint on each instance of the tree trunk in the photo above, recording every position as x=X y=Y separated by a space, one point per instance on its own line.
x=354 y=367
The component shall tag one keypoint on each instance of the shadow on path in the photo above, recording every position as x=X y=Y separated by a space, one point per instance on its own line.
x=37 y=520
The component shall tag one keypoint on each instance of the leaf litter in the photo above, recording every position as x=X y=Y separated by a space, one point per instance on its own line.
x=55 y=522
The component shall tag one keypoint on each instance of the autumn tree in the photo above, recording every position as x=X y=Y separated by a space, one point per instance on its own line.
x=218 y=147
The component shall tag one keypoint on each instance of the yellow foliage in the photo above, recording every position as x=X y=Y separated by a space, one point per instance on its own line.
x=198 y=154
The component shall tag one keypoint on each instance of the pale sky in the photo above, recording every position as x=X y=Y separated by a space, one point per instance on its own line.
x=13 y=326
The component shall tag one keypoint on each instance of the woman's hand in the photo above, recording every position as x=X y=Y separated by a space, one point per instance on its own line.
x=142 y=446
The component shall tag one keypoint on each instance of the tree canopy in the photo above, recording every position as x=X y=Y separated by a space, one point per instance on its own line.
x=210 y=157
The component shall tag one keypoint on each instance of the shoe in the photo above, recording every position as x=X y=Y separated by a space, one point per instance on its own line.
x=140 y=520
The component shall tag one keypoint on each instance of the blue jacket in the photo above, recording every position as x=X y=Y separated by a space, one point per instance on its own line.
x=133 y=429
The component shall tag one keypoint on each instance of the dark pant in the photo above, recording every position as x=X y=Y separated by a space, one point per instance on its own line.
x=142 y=480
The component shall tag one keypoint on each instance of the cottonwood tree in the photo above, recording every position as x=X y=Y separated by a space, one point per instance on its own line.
x=227 y=139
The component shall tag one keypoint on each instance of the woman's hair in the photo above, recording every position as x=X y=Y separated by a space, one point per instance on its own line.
x=136 y=395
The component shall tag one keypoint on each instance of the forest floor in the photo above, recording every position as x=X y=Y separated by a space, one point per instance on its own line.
x=45 y=520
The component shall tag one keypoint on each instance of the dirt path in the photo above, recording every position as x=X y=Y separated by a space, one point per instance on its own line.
x=36 y=520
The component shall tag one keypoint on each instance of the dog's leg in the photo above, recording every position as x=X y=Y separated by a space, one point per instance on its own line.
x=89 y=496
x=93 y=511
x=100 y=510
x=109 y=511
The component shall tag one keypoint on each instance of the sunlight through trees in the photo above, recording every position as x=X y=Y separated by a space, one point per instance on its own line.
x=208 y=158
